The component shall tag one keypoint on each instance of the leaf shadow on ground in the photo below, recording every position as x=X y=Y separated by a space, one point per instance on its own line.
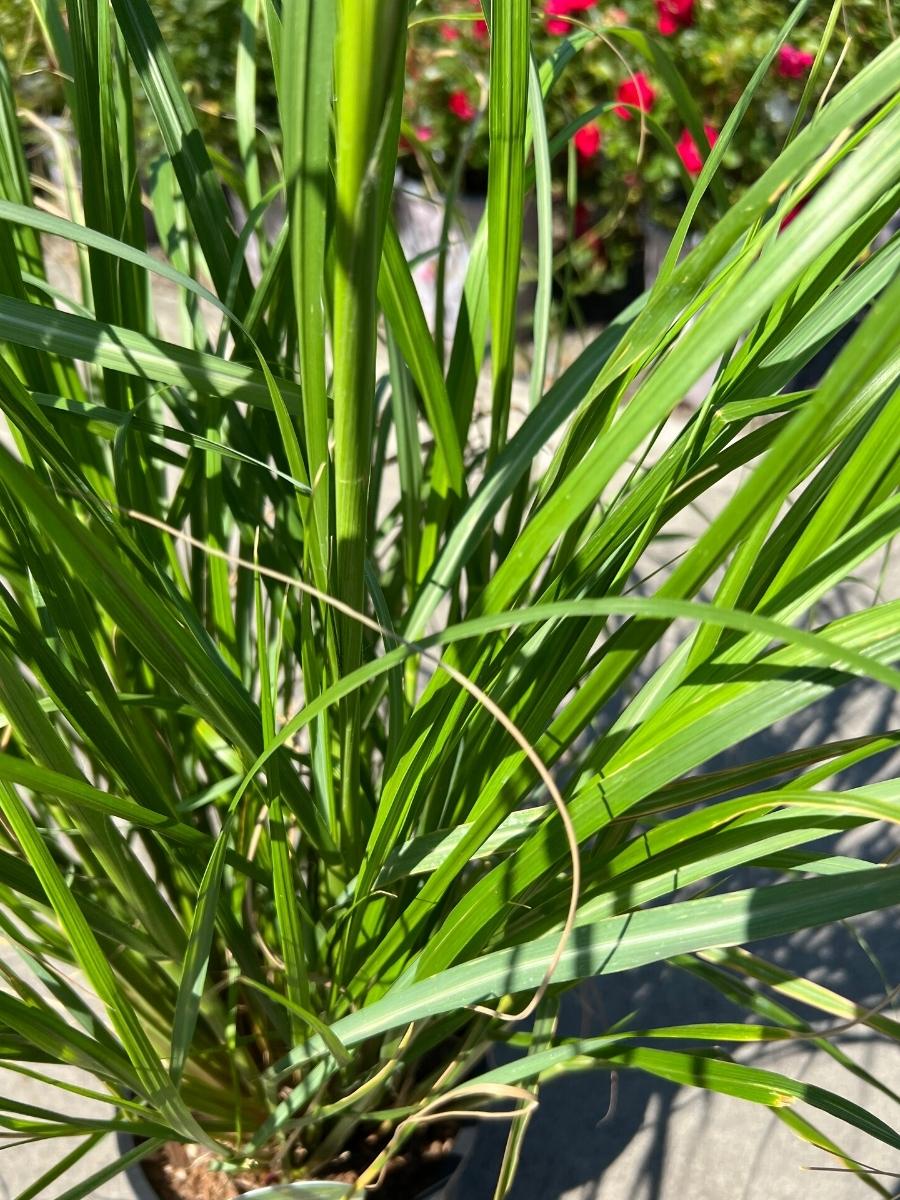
x=580 y=1129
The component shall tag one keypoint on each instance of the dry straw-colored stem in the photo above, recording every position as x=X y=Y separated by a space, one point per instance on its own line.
x=434 y=1111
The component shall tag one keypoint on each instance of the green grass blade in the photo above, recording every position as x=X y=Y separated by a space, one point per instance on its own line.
x=510 y=58
x=544 y=201
x=619 y=944
x=196 y=958
x=716 y=155
x=134 y=354
x=245 y=99
x=150 y=1071
x=201 y=189
x=717 y=327
x=751 y=1083
x=403 y=311
x=59 y=1168
x=306 y=100
x=81 y=1191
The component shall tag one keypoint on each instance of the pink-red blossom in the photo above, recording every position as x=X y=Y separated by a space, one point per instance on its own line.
x=480 y=29
x=674 y=15
x=689 y=152
x=421 y=135
x=588 y=141
x=461 y=106
x=636 y=91
x=554 y=9
x=794 y=213
x=794 y=63
x=449 y=32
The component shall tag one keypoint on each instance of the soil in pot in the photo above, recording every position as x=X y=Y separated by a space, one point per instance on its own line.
x=177 y=1172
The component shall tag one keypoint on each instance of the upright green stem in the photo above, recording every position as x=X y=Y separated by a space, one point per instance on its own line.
x=306 y=109
x=306 y=98
x=369 y=76
x=510 y=45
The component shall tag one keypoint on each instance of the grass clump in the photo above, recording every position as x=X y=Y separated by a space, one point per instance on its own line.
x=293 y=662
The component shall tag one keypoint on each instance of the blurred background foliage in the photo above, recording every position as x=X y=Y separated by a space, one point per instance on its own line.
x=616 y=182
x=202 y=36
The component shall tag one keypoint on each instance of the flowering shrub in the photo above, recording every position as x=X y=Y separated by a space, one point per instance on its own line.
x=459 y=106
x=716 y=48
x=588 y=141
x=688 y=151
x=637 y=92
x=557 y=10
x=674 y=15
x=793 y=63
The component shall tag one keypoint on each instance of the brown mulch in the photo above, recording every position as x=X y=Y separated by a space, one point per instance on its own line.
x=179 y=1172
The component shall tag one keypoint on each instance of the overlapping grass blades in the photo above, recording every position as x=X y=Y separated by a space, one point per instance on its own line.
x=290 y=857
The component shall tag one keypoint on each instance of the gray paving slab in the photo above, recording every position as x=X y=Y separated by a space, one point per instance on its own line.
x=21 y=1166
x=651 y=1140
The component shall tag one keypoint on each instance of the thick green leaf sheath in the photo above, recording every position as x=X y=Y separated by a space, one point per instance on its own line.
x=369 y=60
x=508 y=104
x=306 y=111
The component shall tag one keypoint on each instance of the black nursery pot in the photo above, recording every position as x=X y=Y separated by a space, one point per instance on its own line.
x=444 y=1186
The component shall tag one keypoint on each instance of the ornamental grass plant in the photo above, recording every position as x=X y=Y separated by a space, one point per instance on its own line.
x=339 y=741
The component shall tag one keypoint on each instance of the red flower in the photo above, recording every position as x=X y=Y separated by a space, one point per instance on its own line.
x=449 y=32
x=688 y=151
x=561 y=8
x=421 y=135
x=673 y=15
x=587 y=141
x=794 y=63
x=461 y=106
x=480 y=30
x=636 y=91
x=794 y=213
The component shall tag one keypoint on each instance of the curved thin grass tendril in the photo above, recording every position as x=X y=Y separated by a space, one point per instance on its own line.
x=467 y=685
